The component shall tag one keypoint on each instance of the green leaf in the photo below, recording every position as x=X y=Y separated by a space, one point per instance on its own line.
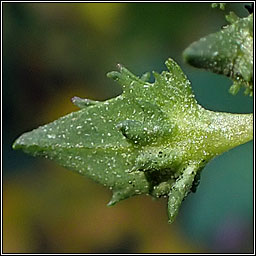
x=222 y=6
x=228 y=52
x=144 y=141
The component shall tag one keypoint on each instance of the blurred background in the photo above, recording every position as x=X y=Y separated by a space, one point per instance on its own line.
x=52 y=52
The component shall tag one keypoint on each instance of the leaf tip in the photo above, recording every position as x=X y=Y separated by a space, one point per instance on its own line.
x=115 y=75
x=124 y=77
x=222 y=6
x=119 y=66
x=82 y=103
x=191 y=54
x=146 y=77
x=169 y=62
x=15 y=145
x=115 y=198
x=18 y=143
x=111 y=203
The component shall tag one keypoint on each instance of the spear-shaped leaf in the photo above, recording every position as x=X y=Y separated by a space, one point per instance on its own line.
x=152 y=139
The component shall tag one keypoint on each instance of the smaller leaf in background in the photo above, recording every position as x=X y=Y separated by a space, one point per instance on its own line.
x=219 y=5
x=228 y=52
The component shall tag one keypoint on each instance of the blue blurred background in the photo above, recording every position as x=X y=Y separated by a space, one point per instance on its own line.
x=52 y=52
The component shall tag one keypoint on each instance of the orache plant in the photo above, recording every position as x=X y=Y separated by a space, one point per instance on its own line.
x=154 y=138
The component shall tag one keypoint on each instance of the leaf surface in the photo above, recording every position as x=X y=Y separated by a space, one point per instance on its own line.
x=145 y=141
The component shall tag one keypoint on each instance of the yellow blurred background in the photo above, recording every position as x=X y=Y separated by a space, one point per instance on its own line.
x=54 y=51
